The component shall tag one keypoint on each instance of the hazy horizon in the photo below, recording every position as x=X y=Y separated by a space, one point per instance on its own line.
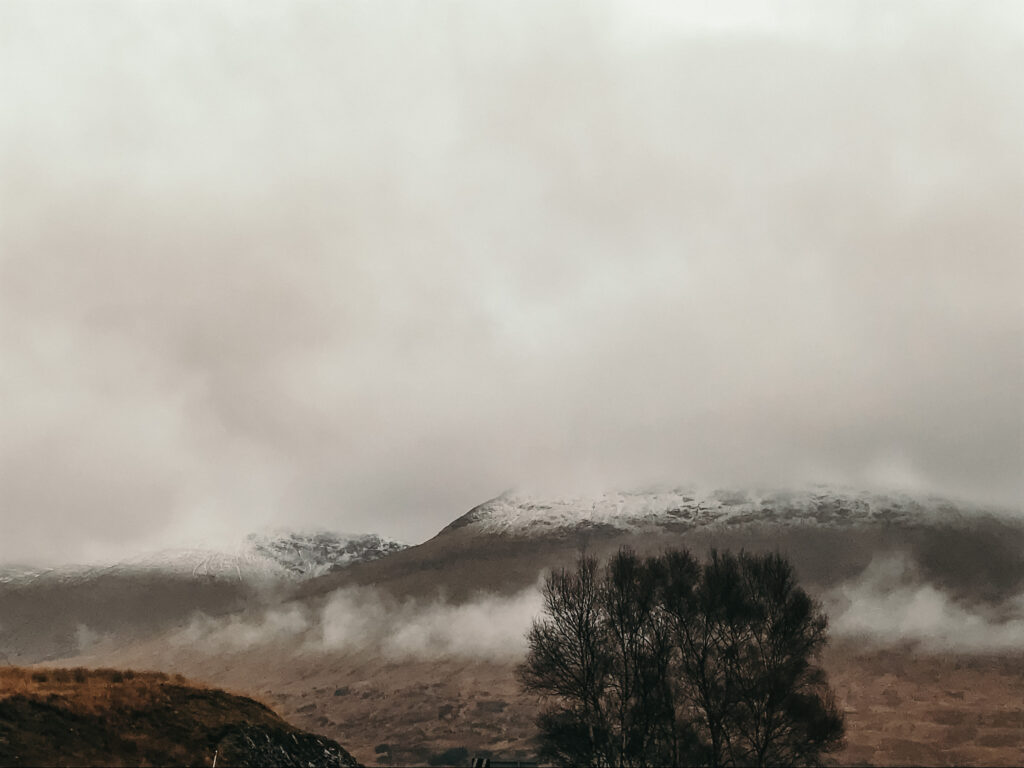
x=363 y=266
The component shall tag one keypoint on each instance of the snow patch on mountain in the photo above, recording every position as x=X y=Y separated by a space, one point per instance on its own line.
x=305 y=555
x=260 y=557
x=684 y=508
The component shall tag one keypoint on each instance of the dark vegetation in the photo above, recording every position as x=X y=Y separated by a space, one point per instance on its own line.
x=666 y=661
x=78 y=717
x=453 y=756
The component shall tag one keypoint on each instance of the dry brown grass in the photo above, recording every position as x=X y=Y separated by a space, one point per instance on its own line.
x=114 y=717
x=903 y=707
x=92 y=691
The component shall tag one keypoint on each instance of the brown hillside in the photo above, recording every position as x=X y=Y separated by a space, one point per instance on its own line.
x=79 y=717
x=980 y=559
x=903 y=706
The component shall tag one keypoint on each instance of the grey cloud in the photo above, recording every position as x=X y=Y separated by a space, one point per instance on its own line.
x=889 y=604
x=487 y=626
x=237 y=633
x=362 y=618
x=362 y=267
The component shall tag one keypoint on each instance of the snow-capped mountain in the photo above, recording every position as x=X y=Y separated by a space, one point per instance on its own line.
x=688 y=508
x=259 y=557
x=312 y=554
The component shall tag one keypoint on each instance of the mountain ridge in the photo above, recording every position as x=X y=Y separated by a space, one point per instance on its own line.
x=280 y=555
x=685 y=508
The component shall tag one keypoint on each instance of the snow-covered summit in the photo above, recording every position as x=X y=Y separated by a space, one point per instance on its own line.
x=306 y=555
x=684 y=508
x=281 y=555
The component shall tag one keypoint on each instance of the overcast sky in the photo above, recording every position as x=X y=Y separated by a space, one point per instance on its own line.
x=363 y=265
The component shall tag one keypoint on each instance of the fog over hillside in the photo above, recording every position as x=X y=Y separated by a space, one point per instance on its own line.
x=359 y=266
x=887 y=606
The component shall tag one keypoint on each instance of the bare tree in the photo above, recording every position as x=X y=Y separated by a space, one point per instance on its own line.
x=665 y=661
x=698 y=607
x=569 y=663
x=786 y=713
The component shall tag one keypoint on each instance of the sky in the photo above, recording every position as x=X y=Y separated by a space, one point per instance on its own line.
x=362 y=266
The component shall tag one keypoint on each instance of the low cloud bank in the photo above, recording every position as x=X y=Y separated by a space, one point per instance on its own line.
x=363 y=618
x=889 y=603
x=243 y=633
x=486 y=627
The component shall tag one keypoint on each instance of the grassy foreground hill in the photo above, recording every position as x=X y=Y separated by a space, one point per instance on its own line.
x=80 y=717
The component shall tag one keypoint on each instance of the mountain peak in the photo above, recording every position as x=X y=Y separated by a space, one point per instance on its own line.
x=687 y=507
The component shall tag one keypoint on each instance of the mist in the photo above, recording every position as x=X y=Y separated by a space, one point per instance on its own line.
x=890 y=604
x=488 y=626
x=363 y=619
x=362 y=266
x=242 y=632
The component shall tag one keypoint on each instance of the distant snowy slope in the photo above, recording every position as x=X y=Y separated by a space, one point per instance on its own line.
x=306 y=555
x=687 y=508
x=260 y=557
